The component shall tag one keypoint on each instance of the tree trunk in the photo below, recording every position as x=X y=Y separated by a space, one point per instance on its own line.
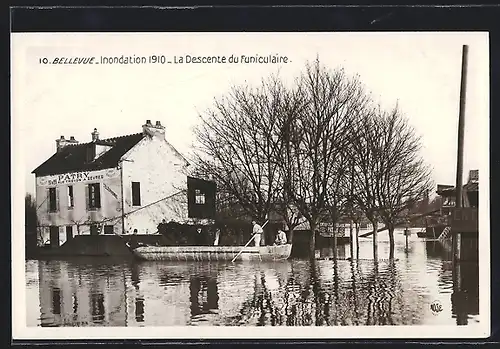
x=391 y=241
x=357 y=240
x=334 y=243
x=375 y=239
x=290 y=237
x=312 y=242
x=351 y=242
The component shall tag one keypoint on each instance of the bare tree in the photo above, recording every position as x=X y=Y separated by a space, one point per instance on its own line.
x=366 y=153
x=390 y=174
x=404 y=177
x=237 y=144
x=317 y=150
x=353 y=212
x=316 y=138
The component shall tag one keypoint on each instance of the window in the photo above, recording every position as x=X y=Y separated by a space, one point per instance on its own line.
x=94 y=192
x=52 y=199
x=199 y=197
x=136 y=194
x=108 y=229
x=71 y=202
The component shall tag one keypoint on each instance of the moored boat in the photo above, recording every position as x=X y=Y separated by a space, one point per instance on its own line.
x=213 y=253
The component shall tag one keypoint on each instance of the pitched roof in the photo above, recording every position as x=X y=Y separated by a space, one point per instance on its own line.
x=449 y=190
x=73 y=158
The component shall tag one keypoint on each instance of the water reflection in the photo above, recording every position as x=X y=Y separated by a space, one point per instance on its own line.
x=97 y=301
x=139 y=309
x=102 y=292
x=204 y=295
x=465 y=296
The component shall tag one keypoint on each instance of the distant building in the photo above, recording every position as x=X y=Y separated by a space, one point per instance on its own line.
x=118 y=185
x=470 y=193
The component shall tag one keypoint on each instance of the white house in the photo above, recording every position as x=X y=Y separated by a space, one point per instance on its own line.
x=118 y=185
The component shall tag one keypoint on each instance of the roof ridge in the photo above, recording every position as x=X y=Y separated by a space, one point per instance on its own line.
x=107 y=139
x=74 y=158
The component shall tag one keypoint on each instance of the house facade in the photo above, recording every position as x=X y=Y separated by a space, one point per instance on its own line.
x=119 y=185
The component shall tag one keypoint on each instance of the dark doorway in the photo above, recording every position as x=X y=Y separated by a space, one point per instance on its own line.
x=69 y=232
x=93 y=230
x=54 y=236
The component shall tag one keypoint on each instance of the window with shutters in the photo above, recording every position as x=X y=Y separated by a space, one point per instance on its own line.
x=71 y=201
x=136 y=194
x=52 y=199
x=94 y=196
x=199 y=197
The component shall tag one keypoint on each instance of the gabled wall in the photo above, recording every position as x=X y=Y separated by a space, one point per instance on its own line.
x=161 y=172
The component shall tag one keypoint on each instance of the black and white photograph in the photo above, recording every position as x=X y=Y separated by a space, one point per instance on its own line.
x=251 y=185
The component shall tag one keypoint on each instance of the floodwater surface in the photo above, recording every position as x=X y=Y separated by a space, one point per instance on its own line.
x=417 y=288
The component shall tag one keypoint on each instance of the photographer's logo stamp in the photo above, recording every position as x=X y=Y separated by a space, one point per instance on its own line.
x=436 y=307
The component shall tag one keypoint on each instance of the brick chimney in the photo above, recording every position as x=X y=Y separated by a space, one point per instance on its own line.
x=153 y=130
x=95 y=135
x=62 y=142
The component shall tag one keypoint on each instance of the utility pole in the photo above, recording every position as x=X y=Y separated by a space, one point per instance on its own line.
x=460 y=150
x=456 y=235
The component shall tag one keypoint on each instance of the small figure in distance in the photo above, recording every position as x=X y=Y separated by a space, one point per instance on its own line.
x=280 y=238
x=217 y=236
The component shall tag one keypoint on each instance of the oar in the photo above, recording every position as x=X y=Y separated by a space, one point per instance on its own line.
x=249 y=241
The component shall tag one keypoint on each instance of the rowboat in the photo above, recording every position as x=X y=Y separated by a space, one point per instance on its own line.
x=213 y=253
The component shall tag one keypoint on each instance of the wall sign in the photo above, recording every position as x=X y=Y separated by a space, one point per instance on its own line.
x=464 y=220
x=77 y=177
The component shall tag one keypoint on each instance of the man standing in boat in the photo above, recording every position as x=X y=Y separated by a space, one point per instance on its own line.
x=217 y=236
x=257 y=232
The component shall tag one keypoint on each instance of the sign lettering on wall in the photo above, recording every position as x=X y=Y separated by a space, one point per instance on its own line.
x=465 y=220
x=77 y=177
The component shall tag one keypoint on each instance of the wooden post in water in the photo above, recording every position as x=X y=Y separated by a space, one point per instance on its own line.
x=407 y=232
x=460 y=150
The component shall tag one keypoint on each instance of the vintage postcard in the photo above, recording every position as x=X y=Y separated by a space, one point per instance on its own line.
x=254 y=185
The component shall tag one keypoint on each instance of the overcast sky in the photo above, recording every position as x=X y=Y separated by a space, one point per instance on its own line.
x=420 y=71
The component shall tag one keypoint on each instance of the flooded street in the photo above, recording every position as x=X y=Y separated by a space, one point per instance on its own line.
x=108 y=292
